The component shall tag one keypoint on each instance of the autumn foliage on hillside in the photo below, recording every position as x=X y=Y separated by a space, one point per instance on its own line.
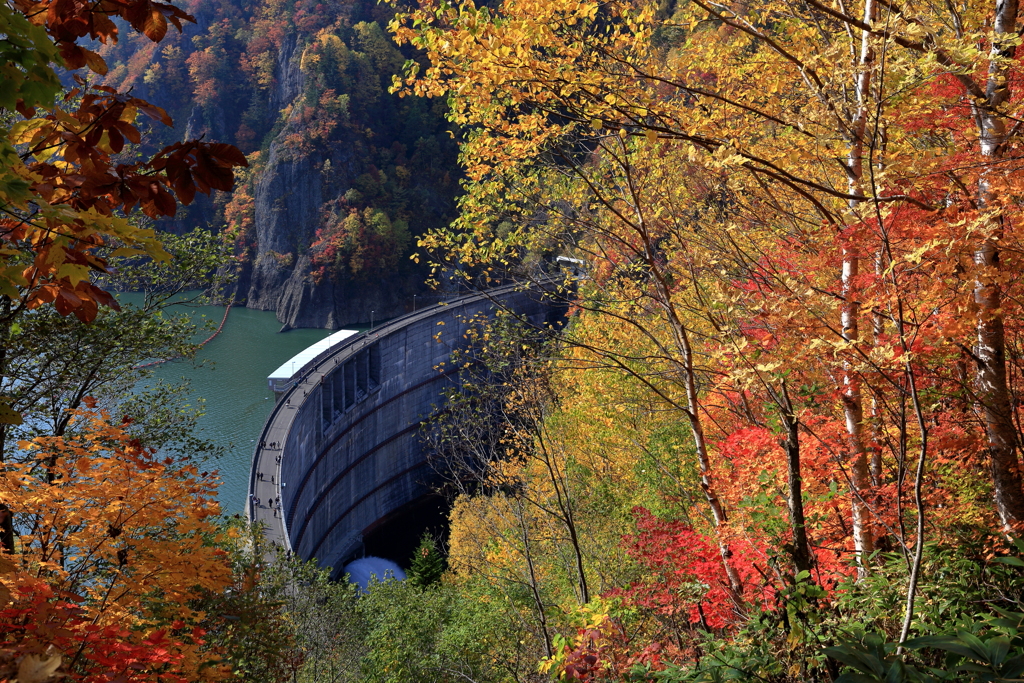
x=65 y=188
x=106 y=549
x=778 y=437
x=793 y=364
x=115 y=553
x=303 y=82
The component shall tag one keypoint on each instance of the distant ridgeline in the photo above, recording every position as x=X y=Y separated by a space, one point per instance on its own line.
x=353 y=475
x=344 y=175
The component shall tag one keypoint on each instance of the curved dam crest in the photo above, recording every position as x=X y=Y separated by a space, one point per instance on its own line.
x=341 y=454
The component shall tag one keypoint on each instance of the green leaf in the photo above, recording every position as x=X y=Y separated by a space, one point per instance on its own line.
x=862 y=661
x=947 y=643
x=998 y=648
x=1012 y=561
x=1014 y=667
x=979 y=648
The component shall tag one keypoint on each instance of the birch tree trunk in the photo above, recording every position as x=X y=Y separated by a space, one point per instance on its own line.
x=853 y=404
x=684 y=347
x=992 y=390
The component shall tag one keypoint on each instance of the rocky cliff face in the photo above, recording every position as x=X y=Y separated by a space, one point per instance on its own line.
x=336 y=304
x=289 y=198
x=303 y=87
x=289 y=77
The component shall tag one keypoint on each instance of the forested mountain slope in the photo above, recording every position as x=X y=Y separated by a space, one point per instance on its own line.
x=777 y=441
x=344 y=175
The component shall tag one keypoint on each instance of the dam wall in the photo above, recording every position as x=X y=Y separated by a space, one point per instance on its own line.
x=348 y=431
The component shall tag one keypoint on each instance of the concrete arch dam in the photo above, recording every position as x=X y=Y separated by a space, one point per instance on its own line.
x=341 y=455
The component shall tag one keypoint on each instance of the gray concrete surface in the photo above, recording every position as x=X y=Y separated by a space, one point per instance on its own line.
x=348 y=433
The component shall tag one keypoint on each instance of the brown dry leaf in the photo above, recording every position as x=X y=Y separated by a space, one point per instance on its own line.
x=35 y=669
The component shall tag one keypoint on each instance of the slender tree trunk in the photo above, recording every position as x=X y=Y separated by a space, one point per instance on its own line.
x=878 y=329
x=801 y=547
x=534 y=590
x=703 y=459
x=853 y=404
x=922 y=425
x=6 y=514
x=992 y=389
x=564 y=502
x=681 y=340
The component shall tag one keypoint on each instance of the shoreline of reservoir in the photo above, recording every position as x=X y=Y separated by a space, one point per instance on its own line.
x=230 y=374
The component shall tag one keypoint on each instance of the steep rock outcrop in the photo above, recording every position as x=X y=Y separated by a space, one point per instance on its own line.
x=289 y=78
x=330 y=304
x=288 y=201
x=289 y=198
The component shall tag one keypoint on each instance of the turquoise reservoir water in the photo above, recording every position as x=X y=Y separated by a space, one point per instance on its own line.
x=233 y=380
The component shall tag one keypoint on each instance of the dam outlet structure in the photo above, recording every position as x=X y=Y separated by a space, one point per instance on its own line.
x=341 y=468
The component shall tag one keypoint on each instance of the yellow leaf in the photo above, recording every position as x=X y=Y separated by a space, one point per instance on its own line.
x=73 y=271
x=23 y=131
x=597 y=124
x=129 y=113
x=95 y=62
x=9 y=415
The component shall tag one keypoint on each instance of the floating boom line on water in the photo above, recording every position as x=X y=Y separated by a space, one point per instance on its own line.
x=206 y=341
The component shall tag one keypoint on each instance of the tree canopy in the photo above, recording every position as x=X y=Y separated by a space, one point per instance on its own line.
x=792 y=230
x=68 y=183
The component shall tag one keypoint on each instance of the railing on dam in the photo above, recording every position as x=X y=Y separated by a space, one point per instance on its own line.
x=341 y=449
